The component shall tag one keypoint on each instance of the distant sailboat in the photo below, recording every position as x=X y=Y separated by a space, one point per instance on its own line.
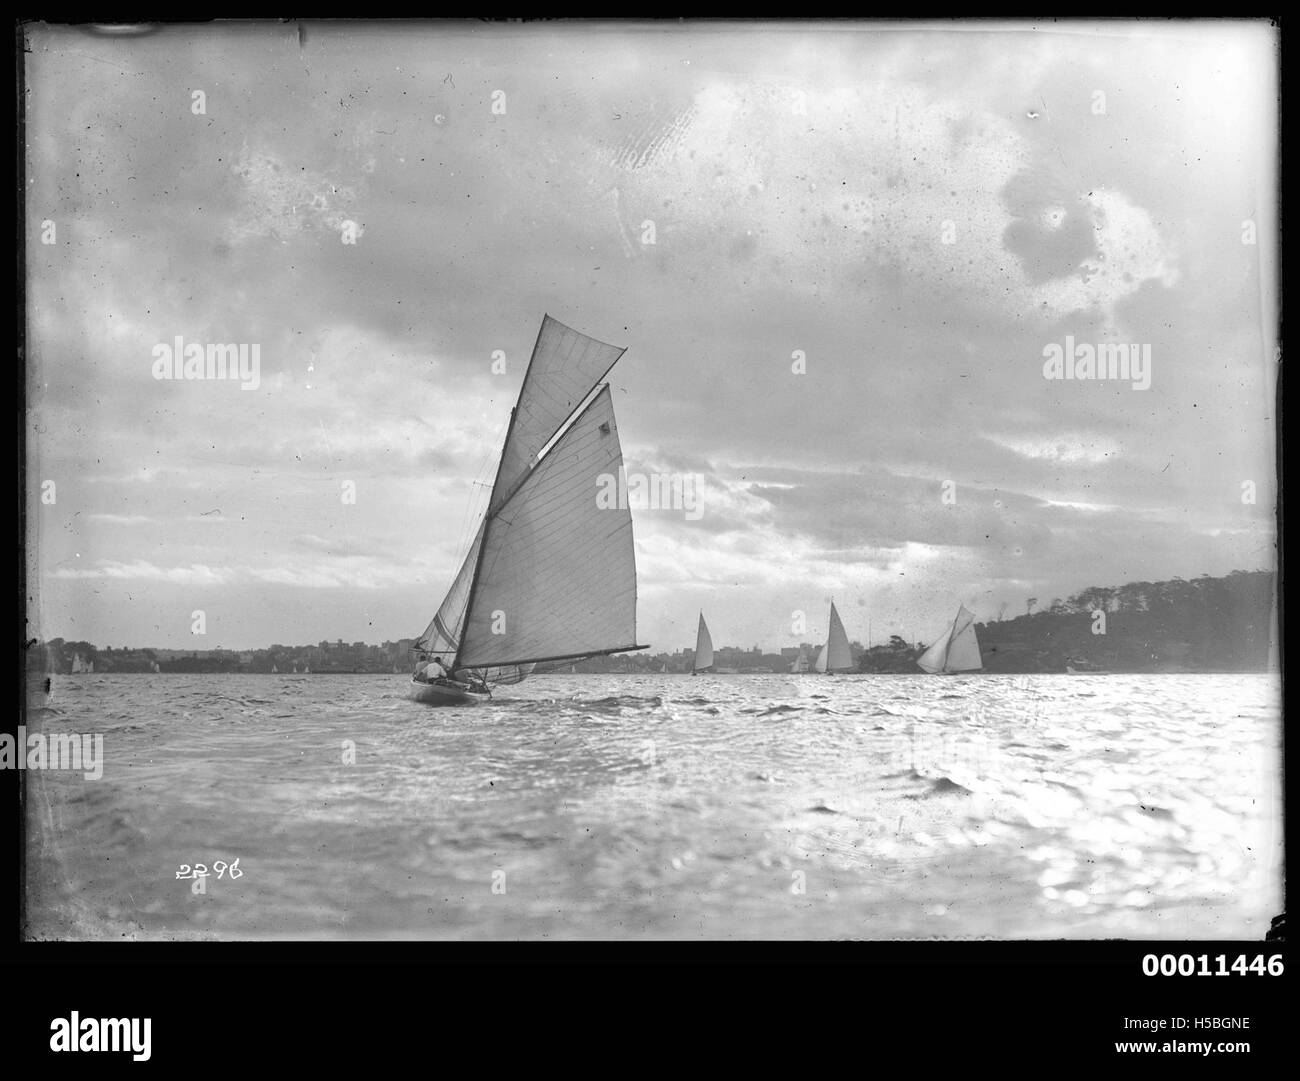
x=81 y=666
x=703 y=649
x=274 y=670
x=835 y=655
x=800 y=664
x=957 y=651
x=551 y=574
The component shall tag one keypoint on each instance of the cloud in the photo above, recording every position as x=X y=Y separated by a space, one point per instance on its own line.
x=1068 y=449
x=142 y=570
x=120 y=519
x=879 y=202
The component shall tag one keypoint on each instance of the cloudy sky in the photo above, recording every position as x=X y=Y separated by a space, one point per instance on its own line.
x=916 y=212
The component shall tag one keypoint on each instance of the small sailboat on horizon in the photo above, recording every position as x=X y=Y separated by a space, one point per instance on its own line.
x=957 y=651
x=835 y=655
x=703 y=661
x=551 y=574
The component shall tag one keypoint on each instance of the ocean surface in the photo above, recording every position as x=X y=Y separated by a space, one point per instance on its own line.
x=623 y=807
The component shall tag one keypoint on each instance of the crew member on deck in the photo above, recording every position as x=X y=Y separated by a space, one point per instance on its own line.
x=430 y=670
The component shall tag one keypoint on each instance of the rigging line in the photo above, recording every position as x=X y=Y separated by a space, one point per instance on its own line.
x=472 y=514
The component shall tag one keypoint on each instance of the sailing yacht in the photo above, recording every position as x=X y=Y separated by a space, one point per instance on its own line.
x=835 y=655
x=551 y=573
x=957 y=651
x=800 y=664
x=703 y=649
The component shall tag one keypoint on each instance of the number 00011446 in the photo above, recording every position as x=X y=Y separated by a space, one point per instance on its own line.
x=1185 y=964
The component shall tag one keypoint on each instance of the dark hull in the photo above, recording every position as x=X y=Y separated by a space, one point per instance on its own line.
x=440 y=694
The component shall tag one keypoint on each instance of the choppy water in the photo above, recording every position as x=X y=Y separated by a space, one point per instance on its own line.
x=666 y=806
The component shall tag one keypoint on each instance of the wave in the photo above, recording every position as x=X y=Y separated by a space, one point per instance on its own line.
x=942 y=786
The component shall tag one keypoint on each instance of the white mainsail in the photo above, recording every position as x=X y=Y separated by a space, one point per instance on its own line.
x=551 y=574
x=835 y=655
x=800 y=663
x=703 y=648
x=558 y=574
x=957 y=651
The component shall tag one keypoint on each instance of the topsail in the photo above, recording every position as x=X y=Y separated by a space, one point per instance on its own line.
x=551 y=573
x=564 y=369
x=957 y=651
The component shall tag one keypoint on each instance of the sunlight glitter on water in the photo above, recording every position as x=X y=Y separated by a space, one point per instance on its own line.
x=664 y=806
